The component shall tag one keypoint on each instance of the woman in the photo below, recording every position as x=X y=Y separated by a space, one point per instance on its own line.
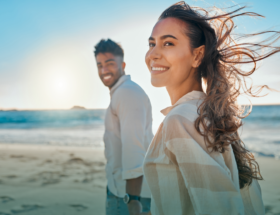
x=196 y=163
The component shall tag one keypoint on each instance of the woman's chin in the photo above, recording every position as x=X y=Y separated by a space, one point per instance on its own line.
x=157 y=83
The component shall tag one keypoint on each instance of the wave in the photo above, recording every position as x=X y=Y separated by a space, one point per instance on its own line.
x=92 y=137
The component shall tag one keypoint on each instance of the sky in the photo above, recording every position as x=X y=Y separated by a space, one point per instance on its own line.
x=46 y=49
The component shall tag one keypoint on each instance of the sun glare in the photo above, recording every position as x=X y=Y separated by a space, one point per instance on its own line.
x=60 y=85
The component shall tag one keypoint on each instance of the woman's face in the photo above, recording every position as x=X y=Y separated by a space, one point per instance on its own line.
x=170 y=58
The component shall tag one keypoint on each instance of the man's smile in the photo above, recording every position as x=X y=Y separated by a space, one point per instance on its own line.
x=107 y=77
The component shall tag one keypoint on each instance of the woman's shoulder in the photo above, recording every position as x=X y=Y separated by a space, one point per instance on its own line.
x=186 y=111
x=179 y=122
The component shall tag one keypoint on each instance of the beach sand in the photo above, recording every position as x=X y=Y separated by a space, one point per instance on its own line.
x=49 y=180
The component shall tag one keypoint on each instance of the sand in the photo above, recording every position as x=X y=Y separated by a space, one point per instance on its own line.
x=270 y=170
x=49 y=180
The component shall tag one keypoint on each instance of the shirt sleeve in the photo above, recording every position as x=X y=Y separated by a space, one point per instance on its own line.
x=210 y=186
x=131 y=110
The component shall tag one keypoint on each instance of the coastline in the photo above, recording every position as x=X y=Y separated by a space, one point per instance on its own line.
x=69 y=180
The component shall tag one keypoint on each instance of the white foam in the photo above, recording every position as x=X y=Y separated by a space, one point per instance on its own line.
x=65 y=137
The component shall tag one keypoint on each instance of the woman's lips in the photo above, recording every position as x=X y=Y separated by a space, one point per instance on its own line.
x=158 y=69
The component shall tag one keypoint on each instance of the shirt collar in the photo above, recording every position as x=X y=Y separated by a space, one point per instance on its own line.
x=194 y=95
x=121 y=80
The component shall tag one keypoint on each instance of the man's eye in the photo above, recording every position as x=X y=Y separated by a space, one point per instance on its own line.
x=168 y=44
x=151 y=44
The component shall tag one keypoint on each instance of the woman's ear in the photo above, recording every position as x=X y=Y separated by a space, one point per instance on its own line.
x=198 y=56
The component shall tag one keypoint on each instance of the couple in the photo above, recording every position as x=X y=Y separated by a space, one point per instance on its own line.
x=196 y=163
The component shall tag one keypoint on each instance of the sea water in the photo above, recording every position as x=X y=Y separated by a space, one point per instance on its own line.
x=260 y=133
x=53 y=127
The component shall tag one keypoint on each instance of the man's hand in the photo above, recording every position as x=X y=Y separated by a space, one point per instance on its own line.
x=133 y=187
x=134 y=207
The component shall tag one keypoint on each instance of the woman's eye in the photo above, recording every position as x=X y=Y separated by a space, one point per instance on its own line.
x=151 y=44
x=168 y=44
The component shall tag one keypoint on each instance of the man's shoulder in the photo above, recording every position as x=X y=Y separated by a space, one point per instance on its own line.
x=129 y=89
x=130 y=93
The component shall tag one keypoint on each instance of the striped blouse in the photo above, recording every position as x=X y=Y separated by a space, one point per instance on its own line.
x=186 y=178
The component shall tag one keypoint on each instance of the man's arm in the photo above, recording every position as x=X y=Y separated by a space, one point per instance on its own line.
x=133 y=187
x=131 y=110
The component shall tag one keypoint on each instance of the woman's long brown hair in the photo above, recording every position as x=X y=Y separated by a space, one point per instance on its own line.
x=219 y=114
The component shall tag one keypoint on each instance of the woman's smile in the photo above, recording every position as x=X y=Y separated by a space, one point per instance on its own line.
x=158 y=69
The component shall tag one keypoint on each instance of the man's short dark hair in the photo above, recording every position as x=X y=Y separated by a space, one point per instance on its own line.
x=108 y=46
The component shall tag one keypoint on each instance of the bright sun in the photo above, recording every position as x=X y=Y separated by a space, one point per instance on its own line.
x=60 y=85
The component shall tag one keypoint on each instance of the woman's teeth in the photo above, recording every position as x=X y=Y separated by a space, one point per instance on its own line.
x=159 y=68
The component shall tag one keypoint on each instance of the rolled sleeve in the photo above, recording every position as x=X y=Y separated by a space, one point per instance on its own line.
x=131 y=111
x=133 y=173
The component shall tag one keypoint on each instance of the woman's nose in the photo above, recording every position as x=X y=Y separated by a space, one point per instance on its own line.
x=155 y=53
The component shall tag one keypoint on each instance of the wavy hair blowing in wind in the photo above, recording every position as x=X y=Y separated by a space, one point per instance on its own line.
x=219 y=115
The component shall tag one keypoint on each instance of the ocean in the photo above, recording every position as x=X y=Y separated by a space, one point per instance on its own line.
x=260 y=133
x=53 y=127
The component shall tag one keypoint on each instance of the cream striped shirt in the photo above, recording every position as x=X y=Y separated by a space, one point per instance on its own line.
x=185 y=178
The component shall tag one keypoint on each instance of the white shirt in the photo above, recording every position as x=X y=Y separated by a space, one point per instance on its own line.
x=187 y=178
x=128 y=133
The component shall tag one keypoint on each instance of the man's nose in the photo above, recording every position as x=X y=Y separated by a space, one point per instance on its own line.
x=104 y=70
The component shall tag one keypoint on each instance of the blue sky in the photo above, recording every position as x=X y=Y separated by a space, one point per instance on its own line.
x=46 y=58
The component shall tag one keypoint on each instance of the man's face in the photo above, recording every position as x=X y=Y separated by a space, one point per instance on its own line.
x=110 y=68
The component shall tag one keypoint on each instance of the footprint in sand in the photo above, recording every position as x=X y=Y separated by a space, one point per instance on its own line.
x=5 y=199
x=11 y=176
x=23 y=158
x=77 y=160
x=268 y=208
x=26 y=208
x=3 y=213
x=47 y=177
x=79 y=207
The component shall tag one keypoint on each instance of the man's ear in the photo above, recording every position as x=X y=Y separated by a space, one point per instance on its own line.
x=123 y=65
x=198 y=56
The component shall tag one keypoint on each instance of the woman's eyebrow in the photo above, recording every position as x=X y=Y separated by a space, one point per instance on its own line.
x=164 y=37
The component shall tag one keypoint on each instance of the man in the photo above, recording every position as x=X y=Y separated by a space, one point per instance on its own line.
x=128 y=133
